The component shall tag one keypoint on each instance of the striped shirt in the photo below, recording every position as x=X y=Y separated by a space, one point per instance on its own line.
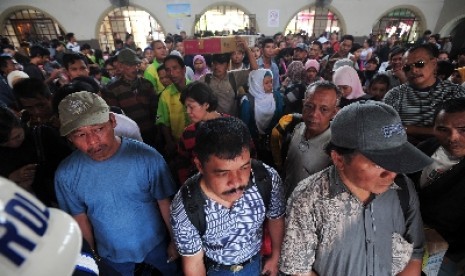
x=417 y=107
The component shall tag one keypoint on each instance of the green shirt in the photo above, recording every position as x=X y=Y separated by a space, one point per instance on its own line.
x=171 y=111
x=151 y=74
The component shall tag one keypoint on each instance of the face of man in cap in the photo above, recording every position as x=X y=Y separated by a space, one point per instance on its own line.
x=97 y=141
x=361 y=175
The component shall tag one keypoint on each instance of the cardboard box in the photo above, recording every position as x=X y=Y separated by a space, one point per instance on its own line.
x=436 y=248
x=214 y=45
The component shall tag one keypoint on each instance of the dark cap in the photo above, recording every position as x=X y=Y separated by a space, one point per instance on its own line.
x=128 y=56
x=375 y=130
x=301 y=46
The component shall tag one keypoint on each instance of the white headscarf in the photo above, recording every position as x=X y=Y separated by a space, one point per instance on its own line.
x=265 y=104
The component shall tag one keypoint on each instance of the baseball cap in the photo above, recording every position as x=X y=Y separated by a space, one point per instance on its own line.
x=322 y=40
x=82 y=109
x=36 y=240
x=375 y=130
x=128 y=56
x=301 y=46
x=312 y=63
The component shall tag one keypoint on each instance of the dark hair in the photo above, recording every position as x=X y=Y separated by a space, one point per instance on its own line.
x=152 y=44
x=370 y=42
x=72 y=87
x=68 y=36
x=8 y=121
x=147 y=49
x=316 y=42
x=221 y=58
x=224 y=137
x=355 y=47
x=178 y=59
x=432 y=50
x=4 y=61
x=267 y=41
x=380 y=78
x=71 y=58
x=396 y=50
x=93 y=71
x=444 y=68
x=38 y=51
x=118 y=41
x=85 y=46
x=201 y=93
x=347 y=37
x=31 y=88
x=161 y=67
x=450 y=106
x=346 y=153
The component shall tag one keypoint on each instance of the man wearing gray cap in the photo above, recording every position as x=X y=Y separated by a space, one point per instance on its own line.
x=356 y=217
x=135 y=96
x=117 y=189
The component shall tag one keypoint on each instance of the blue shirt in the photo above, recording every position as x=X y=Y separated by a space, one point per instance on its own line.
x=233 y=235
x=119 y=195
x=274 y=69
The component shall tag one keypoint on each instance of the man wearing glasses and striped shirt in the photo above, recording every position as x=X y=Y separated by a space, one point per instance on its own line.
x=415 y=100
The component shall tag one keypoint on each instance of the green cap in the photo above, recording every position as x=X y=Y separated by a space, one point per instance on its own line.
x=82 y=109
x=128 y=56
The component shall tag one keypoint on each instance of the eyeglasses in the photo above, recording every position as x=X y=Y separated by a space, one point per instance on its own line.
x=419 y=64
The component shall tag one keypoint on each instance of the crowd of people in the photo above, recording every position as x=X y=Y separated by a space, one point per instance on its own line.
x=292 y=156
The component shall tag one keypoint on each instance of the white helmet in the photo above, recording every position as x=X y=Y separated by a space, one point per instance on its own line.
x=34 y=239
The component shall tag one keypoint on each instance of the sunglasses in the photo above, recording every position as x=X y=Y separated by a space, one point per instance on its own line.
x=419 y=64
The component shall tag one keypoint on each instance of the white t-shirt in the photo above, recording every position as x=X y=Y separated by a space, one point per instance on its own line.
x=443 y=161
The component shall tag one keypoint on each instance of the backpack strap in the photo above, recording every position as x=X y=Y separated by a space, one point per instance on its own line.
x=232 y=82
x=403 y=194
x=263 y=181
x=194 y=201
x=208 y=78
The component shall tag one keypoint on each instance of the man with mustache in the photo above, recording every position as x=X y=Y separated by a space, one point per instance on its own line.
x=233 y=206
x=117 y=189
x=442 y=184
x=416 y=99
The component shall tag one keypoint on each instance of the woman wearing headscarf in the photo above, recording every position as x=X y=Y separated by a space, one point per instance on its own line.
x=200 y=67
x=293 y=87
x=346 y=78
x=261 y=109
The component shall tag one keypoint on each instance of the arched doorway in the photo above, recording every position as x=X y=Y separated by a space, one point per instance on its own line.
x=131 y=20
x=314 y=20
x=405 y=23
x=31 y=25
x=224 y=20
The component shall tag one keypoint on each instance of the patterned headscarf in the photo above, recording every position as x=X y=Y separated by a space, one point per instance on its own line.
x=203 y=71
x=295 y=71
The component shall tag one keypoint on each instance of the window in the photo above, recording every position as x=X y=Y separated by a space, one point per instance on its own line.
x=32 y=26
x=225 y=20
x=314 y=20
x=402 y=22
x=129 y=20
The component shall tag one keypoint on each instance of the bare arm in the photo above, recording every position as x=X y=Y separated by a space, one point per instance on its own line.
x=164 y=205
x=243 y=43
x=276 y=228
x=412 y=268
x=193 y=265
x=86 y=228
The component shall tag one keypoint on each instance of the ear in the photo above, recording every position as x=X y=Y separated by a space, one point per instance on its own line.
x=338 y=160
x=112 y=120
x=198 y=164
